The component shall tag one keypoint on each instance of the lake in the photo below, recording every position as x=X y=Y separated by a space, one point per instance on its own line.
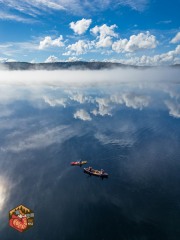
x=129 y=128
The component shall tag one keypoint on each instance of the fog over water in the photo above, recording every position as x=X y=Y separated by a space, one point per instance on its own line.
x=125 y=121
x=84 y=77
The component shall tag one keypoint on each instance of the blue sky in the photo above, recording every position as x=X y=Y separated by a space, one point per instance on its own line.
x=137 y=32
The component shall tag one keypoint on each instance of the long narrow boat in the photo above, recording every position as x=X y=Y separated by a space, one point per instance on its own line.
x=78 y=163
x=96 y=173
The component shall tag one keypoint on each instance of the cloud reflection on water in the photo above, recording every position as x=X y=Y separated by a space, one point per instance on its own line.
x=116 y=89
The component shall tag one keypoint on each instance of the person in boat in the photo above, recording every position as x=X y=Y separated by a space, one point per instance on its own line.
x=90 y=169
x=102 y=171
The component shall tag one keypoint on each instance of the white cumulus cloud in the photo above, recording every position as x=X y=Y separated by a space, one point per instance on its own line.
x=104 y=35
x=83 y=115
x=51 y=59
x=78 y=48
x=176 y=39
x=73 y=59
x=120 y=45
x=104 y=30
x=136 y=42
x=49 y=42
x=167 y=58
x=80 y=26
x=104 y=42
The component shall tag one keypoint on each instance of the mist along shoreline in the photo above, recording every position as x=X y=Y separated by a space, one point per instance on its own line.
x=77 y=65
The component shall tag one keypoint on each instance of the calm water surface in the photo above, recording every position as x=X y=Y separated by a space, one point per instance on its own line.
x=131 y=130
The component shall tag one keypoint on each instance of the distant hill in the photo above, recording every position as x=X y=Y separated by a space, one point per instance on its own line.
x=79 y=65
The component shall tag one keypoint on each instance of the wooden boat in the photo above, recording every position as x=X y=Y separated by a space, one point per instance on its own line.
x=97 y=173
x=78 y=163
